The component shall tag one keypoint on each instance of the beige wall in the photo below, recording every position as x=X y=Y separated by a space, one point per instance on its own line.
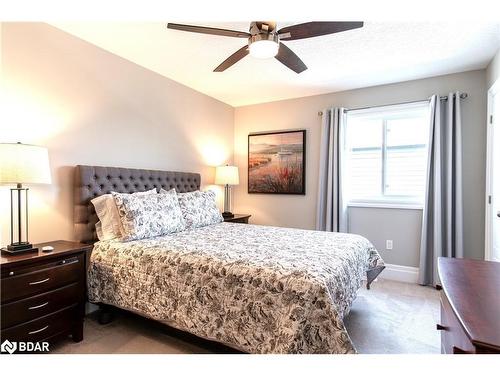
x=299 y=211
x=402 y=226
x=493 y=70
x=89 y=106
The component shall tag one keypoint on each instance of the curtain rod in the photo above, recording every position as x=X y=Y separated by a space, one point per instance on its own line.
x=462 y=96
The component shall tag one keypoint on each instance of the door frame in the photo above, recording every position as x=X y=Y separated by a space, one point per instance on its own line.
x=492 y=92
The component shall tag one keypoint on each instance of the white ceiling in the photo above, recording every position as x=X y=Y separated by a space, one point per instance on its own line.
x=378 y=53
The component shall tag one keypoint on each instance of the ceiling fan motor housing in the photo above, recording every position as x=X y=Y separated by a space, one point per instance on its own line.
x=263 y=41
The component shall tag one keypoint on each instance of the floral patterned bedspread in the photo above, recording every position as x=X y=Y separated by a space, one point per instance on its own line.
x=256 y=288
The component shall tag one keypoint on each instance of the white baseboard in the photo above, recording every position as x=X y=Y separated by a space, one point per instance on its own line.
x=400 y=273
x=90 y=308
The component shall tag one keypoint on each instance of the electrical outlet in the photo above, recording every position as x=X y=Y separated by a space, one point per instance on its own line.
x=388 y=244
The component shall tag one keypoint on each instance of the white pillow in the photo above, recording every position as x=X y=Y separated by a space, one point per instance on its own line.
x=199 y=208
x=146 y=216
x=109 y=226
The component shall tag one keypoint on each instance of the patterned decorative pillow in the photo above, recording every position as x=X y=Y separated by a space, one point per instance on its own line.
x=145 y=216
x=109 y=226
x=199 y=209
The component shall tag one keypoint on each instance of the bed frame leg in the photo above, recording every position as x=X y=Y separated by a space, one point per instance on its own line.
x=372 y=275
x=105 y=314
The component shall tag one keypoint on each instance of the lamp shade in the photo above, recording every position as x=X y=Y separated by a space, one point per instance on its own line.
x=227 y=175
x=24 y=164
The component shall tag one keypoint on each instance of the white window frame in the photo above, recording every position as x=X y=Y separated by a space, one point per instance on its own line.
x=389 y=201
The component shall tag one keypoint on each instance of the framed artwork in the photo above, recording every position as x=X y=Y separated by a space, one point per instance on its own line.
x=276 y=162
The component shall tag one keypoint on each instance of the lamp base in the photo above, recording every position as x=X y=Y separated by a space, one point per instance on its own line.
x=227 y=215
x=19 y=247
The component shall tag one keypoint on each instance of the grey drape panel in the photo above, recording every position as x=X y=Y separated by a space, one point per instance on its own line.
x=442 y=225
x=331 y=211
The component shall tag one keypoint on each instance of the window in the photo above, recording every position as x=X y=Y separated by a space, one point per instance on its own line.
x=387 y=154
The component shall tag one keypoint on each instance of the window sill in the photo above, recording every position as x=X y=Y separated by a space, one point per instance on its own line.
x=400 y=206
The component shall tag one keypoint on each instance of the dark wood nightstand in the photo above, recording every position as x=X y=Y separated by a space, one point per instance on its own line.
x=43 y=293
x=238 y=218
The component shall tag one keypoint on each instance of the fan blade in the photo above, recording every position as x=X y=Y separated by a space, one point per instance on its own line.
x=233 y=59
x=287 y=57
x=208 y=30
x=312 y=29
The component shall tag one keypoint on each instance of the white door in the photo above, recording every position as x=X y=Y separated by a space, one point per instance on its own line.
x=493 y=182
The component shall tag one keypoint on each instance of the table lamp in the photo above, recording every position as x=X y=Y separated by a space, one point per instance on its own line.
x=22 y=164
x=227 y=175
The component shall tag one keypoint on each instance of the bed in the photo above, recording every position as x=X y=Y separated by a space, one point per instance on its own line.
x=254 y=288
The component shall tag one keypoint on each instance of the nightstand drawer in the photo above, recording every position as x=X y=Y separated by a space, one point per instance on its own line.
x=23 y=282
x=35 y=307
x=42 y=328
x=241 y=221
x=238 y=218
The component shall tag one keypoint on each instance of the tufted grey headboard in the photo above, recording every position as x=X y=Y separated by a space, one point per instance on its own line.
x=91 y=181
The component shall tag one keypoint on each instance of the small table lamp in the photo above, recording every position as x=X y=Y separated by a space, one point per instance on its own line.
x=227 y=175
x=22 y=164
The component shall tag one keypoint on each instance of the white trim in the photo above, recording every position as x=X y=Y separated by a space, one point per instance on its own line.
x=493 y=90
x=396 y=272
x=90 y=308
x=396 y=108
x=404 y=206
x=495 y=87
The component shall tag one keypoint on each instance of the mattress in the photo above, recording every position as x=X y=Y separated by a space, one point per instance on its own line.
x=255 y=288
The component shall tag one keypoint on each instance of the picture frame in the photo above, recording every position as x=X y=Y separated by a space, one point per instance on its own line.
x=277 y=162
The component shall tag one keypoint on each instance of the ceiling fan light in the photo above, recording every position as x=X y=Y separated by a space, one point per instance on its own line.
x=264 y=49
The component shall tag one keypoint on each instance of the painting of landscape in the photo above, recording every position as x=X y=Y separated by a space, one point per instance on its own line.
x=276 y=162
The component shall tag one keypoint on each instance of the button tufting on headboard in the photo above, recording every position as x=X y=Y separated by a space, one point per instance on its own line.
x=92 y=181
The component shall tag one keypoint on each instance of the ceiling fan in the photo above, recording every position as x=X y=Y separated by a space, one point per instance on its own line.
x=265 y=41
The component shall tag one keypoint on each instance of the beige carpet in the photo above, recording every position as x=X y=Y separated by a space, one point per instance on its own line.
x=395 y=317
x=392 y=317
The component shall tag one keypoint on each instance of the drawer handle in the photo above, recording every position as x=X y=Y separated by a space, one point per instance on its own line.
x=439 y=327
x=69 y=261
x=38 y=330
x=40 y=282
x=38 y=307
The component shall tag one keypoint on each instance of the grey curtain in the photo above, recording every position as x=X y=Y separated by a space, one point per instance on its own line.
x=442 y=225
x=331 y=210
